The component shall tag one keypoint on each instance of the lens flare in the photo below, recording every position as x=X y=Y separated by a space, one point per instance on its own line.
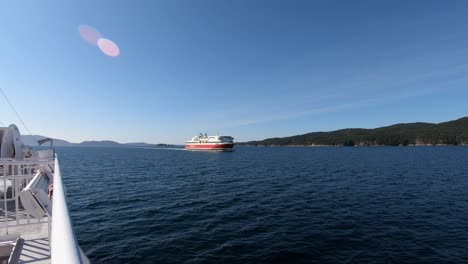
x=90 y=34
x=108 y=47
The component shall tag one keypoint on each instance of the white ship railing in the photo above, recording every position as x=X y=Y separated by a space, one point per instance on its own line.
x=64 y=246
x=14 y=176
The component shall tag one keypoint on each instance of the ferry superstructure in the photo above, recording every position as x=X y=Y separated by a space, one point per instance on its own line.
x=35 y=225
x=205 y=142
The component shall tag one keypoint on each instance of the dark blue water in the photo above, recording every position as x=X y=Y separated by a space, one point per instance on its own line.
x=270 y=205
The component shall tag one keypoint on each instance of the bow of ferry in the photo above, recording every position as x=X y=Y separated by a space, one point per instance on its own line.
x=34 y=218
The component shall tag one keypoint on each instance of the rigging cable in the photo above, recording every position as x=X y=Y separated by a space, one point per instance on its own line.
x=14 y=110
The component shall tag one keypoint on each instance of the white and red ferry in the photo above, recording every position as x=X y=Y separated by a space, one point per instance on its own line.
x=205 y=142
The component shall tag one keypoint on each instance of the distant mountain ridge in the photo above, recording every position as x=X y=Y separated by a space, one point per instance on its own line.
x=99 y=143
x=447 y=133
x=29 y=140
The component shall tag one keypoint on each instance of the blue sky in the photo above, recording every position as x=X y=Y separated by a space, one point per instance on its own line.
x=250 y=69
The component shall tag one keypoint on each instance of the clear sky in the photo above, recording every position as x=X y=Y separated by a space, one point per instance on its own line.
x=250 y=69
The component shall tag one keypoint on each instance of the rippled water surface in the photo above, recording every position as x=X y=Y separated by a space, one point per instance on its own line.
x=269 y=205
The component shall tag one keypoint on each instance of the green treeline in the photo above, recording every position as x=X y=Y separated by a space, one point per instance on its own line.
x=447 y=133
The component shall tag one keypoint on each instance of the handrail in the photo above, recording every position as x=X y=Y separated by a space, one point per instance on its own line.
x=25 y=161
x=64 y=247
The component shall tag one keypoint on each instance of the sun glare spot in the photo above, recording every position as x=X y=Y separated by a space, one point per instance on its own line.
x=108 y=47
x=90 y=34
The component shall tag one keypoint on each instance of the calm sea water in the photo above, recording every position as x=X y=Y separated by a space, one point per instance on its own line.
x=269 y=205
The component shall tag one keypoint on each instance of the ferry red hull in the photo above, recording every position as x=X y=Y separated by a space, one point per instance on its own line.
x=207 y=146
